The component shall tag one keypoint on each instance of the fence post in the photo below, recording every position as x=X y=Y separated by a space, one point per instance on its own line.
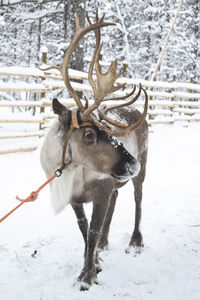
x=191 y=81
x=172 y=107
x=190 y=90
x=100 y=59
x=151 y=107
x=44 y=52
x=173 y=80
x=124 y=72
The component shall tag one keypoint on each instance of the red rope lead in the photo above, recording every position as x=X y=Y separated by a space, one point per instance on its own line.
x=33 y=196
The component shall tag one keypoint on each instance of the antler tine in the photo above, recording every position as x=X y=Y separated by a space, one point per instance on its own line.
x=104 y=81
x=91 y=67
x=97 y=14
x=126 y=103
x=88 y=18
x=126 y=129
x=86 y=103
x=142 y=119
x=103 y=112
x=102 y=18
x=96 y=103
x=123 y=97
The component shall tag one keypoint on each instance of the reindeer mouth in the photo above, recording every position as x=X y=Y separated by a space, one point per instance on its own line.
x=120 y=178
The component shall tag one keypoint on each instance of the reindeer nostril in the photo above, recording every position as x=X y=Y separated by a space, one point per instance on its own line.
x=126 y=168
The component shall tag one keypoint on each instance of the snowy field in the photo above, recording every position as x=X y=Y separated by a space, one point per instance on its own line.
x=41 y=254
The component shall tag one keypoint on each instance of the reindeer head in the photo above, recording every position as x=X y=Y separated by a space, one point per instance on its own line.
x=91 y=142
x=94 y=148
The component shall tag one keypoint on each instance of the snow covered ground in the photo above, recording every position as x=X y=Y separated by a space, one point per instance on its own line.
x=41 y=255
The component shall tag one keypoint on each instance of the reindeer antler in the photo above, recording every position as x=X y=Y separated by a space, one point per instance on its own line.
x=63 y=68
x=105 y=83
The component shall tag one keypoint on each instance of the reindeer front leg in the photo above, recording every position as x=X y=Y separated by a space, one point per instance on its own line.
x=82 y=221
x=89 y=271
x=136 y=238
x=103 y=242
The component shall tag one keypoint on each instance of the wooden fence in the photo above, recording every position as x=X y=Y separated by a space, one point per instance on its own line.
x=168 y=102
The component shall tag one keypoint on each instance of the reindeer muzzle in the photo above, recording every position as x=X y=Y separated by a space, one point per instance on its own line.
x=127 y=167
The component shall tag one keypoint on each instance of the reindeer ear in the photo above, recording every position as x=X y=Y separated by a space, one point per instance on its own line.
x=61 y=110
x=58 y=108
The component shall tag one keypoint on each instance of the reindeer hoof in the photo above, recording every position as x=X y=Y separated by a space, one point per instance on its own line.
x=136 y=244
x=84 y=286
x=136 y=240
x=86 y=279
x=134 y=250
x=98 y=268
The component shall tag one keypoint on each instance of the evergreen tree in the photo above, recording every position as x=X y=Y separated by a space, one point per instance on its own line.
x=138 y=38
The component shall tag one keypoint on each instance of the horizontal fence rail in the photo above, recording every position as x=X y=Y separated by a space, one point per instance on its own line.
x=168 y=102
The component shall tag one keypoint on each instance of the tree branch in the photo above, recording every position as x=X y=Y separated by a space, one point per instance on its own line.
x=14 y=2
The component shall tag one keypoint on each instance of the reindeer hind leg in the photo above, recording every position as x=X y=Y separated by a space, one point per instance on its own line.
x=103 y=242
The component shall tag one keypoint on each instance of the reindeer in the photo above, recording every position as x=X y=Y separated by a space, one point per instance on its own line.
x=99 y=148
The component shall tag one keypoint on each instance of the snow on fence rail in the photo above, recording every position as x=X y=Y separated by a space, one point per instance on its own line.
x=168 y=102
x=52 y=80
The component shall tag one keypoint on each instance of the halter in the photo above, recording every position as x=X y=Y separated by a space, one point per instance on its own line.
x=74 y=125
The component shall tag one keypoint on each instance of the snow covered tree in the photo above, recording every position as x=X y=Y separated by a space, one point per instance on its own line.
x=78 y=6
x=28 y=25
x=138 y=38
x=183 y=57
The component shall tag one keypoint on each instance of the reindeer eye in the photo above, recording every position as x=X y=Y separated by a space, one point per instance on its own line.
x=89 y=136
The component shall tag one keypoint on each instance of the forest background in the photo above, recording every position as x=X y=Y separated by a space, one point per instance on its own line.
x=137 y=40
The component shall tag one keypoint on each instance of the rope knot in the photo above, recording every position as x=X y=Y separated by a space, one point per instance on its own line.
x=32 y=197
